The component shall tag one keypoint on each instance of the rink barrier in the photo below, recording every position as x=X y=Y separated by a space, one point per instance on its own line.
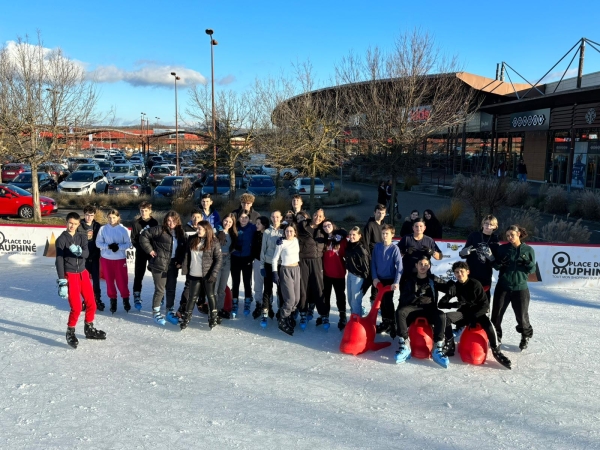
x=558 y=265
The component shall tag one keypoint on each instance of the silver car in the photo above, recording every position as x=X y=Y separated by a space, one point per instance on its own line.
x=127 y=185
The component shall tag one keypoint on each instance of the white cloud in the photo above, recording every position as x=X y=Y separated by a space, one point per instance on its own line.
x=555 y=76
x=147 y=75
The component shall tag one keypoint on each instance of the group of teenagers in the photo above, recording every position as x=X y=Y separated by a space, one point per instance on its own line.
x=301 y=258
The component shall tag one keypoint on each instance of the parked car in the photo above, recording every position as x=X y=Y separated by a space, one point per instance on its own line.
x=157 y=173
x=136 y=158
x=288 y=173
x=57 y=171
x=121 y=170
x=24 y=181
x=88 y=167
x=74 y=162
x=172 y=168
x=11 y=170
x=105 y=166
x=127 y=185
x=169 y=186
x=302 y=186
x=194 y=172
x=155 y=161
x=208 y=187
x=119 y=160
x=84 y=182
x=261 y=185
x=101 y=157
x=249 y=172
x=140 y=169
x=15 y=201
x=268 y=169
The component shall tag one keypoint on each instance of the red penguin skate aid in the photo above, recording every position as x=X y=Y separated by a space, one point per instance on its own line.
x=421 y=338
x=359 y=334
x=473 y=345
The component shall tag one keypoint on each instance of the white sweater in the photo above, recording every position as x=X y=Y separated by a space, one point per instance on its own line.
x=109 y=234
x=287 y=253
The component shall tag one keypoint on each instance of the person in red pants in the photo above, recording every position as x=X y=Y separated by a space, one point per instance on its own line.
x=74 y=280
x=113 y=242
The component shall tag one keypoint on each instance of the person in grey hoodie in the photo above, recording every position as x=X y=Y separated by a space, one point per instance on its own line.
x=267 y=251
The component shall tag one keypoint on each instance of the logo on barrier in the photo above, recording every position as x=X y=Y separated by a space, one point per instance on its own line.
x=565 y=267
x=16 y=246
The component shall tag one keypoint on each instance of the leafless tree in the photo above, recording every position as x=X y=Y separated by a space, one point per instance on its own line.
x=42 y=93
x=398 y=99
x=236 y=117
x=305 y=124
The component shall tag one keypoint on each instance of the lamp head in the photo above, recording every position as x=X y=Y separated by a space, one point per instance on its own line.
x=173 y=73
x=213 y=42
x=209 y=31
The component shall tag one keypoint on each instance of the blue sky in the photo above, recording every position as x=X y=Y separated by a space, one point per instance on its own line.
x=132 y=46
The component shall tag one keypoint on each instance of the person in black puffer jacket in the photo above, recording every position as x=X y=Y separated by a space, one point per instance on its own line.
x=166 y=247
x=358 y=261
x=201 y=265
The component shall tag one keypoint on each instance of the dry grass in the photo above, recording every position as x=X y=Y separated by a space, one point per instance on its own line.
x=556 y=201
x=517 y=193
x=341 y=196
x=587 y=205
x=561 y=231
x=410 y=181
x=121 y=201
x=450 y=214
x=525 y=218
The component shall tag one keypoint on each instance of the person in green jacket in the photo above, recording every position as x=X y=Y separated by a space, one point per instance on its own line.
x=514 y=261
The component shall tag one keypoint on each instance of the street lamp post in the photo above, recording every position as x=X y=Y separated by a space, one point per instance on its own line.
x=213 y=42
x=156 y=126
x=142 y=135
x=176 y=125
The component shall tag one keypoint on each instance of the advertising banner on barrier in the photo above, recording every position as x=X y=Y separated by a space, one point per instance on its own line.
x=558 y=265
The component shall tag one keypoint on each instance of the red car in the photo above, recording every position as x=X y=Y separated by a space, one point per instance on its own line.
x=11 y=170
x=15 y=201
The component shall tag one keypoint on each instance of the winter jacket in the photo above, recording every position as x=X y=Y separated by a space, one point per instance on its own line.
x=66 y=261
x=433 y=228
x=256 y=245
x=312 y=241
x=253 y=214
x=372 y=234
x=138 y=226
x=109 y=235
x=407 y=228
x=514 y=265
x=94 y=228
x=422 y=291
x=211 y=260
x=225 y=248
x=156 y=239
x=480 y=267
x=189 y=229
x=333 y=260
x=357 y=259
x=472 y=301
x=413 y=250
x=386 y=262
x=243 y=245
x=269 y=244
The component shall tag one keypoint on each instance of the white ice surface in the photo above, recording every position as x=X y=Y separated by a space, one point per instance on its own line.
x=240 y=386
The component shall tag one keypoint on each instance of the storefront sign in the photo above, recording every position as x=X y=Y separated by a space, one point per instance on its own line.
x=538 y=119
x=562 y=148
x=485 y=121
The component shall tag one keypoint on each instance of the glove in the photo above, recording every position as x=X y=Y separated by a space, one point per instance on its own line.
x=75 y=249
x=410 y=250
x=219 y=228
x=523 y=261
x=279 y=241
x=263 y=273
x=114 y=247
x=276 y=278
x=212 y=279
x=429 y=252
x=466 y=251
x=337 y=238
x=487 y=252
x=63 y=290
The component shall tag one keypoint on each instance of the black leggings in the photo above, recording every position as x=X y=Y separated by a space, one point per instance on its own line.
x=462 y=320
x=267 y=286
x=405 y=315
x=241 y=267
x=329 y=284
x=311 y=287
x=519 y=300
x=200 y=285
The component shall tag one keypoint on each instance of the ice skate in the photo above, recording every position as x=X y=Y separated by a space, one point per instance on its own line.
x=99 y=303
x=403 y=352
x=343 y=321
x=172 y=316
x=285 y=326
x=126 y=304
x=71 y=338
x=234 y=308
x=257 y=311
x=438 y=355
x=113 y=305
x=303 y=321
x=501 y=358
x=137 y=300
x=158 y=317
x=93 y=333
x=247 y=305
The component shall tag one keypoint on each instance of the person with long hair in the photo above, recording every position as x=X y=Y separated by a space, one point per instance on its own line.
x=515 y=261
x=227 y=239
x=286 y=275
x=262 y=224
x=201 y=265
x=334 y=275
x=433 y=227
x=241 y=263
x=165 y=244
x=113 y=242
x=358 y=261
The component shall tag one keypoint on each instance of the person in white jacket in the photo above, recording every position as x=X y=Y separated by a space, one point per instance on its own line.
x=113 y=242
x=286 y=275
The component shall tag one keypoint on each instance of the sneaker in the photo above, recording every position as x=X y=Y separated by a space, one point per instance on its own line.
x=499 y=356
x=247 y=305
x=224 y=314
x=172 y=316
x=450 y=347
x=71 y=338
x=343 y=321
x=258 y=311
x=93 y=333
x=126 y=304
x=234 y=308
x=403 y=352
x=303 y=321
x=438 y=355
x=158 y=317
x=137 y=300
x=113 y=305
x=285 y=326
x=524 y=342
x=384 y=327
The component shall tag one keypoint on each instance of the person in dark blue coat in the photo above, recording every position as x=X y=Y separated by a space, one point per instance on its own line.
x=241 y=262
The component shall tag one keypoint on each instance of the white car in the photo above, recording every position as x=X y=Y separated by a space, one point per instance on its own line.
x=288 y=173
x=302 y=186
x=268 y=169
x=83 y=183
x=172 y=168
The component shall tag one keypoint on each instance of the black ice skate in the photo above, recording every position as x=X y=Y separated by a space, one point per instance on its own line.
x=71 y=338
x=93 y=333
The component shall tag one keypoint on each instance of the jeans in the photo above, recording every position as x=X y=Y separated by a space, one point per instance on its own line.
x=258 y=282
x=165 y=282
x=355 y=293
x=221 y=283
